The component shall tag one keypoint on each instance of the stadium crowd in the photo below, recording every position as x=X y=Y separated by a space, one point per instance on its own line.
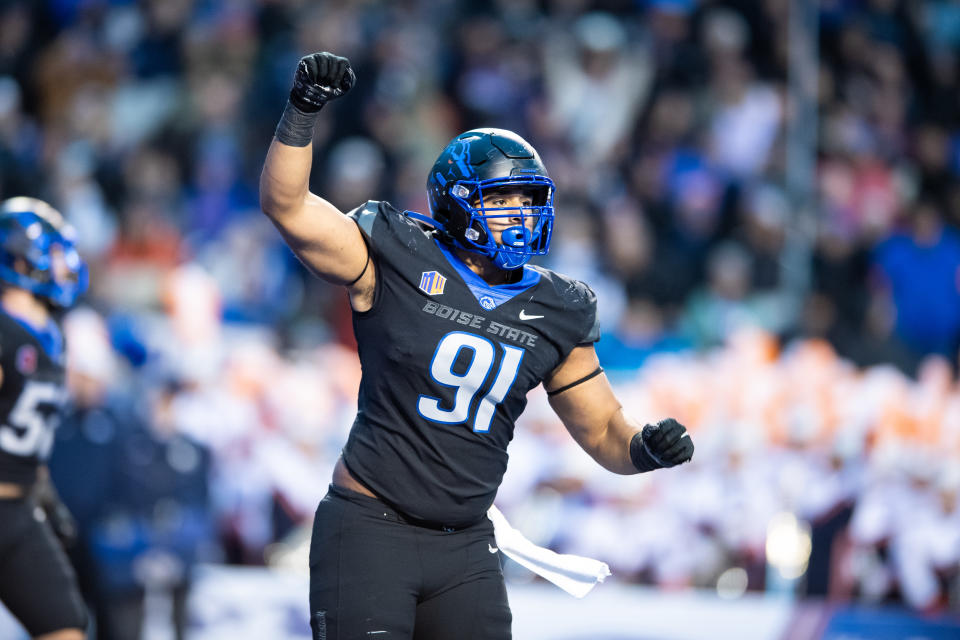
x=214 y=381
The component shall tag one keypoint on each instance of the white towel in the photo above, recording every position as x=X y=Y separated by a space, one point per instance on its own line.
x=574 y=574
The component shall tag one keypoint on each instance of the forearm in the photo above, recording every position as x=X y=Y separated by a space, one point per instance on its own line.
x=284 y=182
x=285 y=179
x=326 y=241
x=601 y=429
x=617 y=442
x=612 y=448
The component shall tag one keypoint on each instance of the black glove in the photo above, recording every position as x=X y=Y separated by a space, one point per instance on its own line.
x=320 y=77
x=45 y=497
x=665 y=444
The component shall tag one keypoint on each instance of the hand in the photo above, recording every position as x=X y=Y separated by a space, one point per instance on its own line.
x=320 y=77
x=45 y=497
x=63 y=523
x=665 y=444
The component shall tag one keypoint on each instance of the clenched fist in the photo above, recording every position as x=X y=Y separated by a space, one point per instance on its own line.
x=320 y=77
x=665 y=444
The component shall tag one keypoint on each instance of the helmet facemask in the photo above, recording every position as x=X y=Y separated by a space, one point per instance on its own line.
x=524 y=231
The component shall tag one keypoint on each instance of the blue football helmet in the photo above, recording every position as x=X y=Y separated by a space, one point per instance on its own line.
x=38 y=252
x=473 y=165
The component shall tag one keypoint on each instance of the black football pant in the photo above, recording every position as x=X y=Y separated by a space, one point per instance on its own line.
x=37 y=582
x=374 y=576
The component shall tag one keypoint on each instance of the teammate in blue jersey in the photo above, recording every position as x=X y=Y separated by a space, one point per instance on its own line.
x=453 y=327
x=40 y=271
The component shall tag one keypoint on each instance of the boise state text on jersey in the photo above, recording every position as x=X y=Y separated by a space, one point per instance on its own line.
x=447 y=362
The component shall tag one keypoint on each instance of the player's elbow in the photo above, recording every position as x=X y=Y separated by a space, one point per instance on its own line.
x=271 y=198
x=269 y=204
x=275 y=204
x=607 y=448
x=278 y=198
x=612 y=459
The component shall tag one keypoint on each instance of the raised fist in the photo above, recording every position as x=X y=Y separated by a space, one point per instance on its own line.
x=665 y=444
x=320 y=77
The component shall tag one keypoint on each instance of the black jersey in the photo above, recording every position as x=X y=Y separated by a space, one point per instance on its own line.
x=447 y=362
x=31 y=396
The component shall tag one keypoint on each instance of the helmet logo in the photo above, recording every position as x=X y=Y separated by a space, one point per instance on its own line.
x=461 y=156
x=460 y=191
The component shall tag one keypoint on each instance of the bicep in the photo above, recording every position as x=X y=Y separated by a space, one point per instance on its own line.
x=327 y=242
x=323 y=238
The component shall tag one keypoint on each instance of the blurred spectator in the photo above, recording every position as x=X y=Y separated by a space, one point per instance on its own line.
x=595 y=85
x=746 y=119
x=156 y=523
x=88 y=436
x=727 y=304
x=920 y=269
x=143 y=508
x=642 y=332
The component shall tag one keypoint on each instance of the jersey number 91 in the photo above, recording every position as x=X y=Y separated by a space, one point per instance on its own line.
x=467 y=384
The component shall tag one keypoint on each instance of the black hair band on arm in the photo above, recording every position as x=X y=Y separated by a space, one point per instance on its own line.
x=365 y=265
x=592 y=374
x=366 y=243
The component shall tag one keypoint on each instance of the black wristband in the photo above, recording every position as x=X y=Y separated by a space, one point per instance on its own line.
x=296 y=126
x=641 y=456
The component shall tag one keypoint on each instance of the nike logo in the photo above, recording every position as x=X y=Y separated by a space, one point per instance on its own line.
x=524 y=316
x=491 y=548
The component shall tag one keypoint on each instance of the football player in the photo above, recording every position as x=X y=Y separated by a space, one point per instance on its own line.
x=40 y=271
x=453 y=329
